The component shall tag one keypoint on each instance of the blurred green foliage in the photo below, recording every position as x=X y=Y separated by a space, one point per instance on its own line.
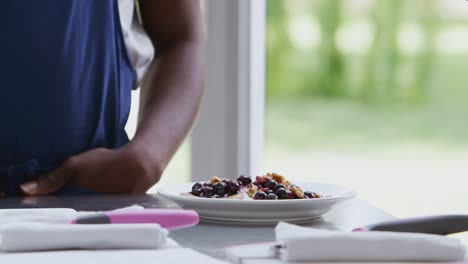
x=379 y=75
x=379 y=71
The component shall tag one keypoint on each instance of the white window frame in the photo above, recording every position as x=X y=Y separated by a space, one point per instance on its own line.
x=228 y=138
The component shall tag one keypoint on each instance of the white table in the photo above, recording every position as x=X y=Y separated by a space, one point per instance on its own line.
x=208 y=237
x=212 y=237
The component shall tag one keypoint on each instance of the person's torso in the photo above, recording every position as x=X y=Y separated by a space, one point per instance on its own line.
x=65 y=80
x=65 y=83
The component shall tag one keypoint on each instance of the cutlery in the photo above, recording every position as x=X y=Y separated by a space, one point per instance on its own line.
x=167 y=218
x=437 y=224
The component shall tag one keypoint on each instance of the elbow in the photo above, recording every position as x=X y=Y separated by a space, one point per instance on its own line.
x=149 y=176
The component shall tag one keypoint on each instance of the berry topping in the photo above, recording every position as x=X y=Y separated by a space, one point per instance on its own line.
x=197 y=185
x=244 y=179
x=281 y=191
x=280 y=185
x=270 y=184
x=220 y=188
x=260 y=195
x=262 y=179
x=207 y=191
x=233 y=187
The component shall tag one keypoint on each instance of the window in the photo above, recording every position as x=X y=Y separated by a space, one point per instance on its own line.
x=364 y=93
x=371 y=94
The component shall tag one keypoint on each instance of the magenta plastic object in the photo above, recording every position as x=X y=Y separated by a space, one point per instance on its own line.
x=167 y=218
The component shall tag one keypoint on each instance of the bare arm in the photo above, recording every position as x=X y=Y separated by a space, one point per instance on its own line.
x=171 y=93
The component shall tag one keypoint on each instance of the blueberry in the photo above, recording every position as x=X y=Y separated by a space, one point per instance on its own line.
x=207 y=191
x=196 y=191
x=309 y=194
x=216 y=196
x=269 y=191
x=260 y=196
x=197 y=185
x=233 y=187
x=271 y=196
x=244 y=179
x=283 y=197
x=220 y=188
x=281 y=191
x=279 y=185
x=270 y=184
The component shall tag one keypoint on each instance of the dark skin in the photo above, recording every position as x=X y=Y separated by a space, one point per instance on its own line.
x=170 y=98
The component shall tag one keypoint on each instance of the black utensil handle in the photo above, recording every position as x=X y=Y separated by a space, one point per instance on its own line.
x=439 y=224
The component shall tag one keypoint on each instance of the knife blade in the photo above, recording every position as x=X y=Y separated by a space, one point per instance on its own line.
x=436 y=224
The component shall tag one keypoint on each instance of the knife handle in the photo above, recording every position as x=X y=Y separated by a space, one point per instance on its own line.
x=167 y=218
x=438 y=224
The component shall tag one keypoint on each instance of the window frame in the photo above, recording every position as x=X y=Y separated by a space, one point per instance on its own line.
x=228 y=138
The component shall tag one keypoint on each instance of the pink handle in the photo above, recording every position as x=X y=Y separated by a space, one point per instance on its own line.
x=167 y=218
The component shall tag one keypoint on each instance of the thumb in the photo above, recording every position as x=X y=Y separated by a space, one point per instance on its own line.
x=48 y=183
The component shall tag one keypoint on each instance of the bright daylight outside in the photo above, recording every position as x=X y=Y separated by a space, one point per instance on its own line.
x=368 y=94
x=371 y=94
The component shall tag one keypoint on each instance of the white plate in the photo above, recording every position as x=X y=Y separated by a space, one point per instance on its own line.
x=261 y=211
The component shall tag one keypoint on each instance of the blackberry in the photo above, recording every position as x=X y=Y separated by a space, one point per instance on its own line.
x=245 y=179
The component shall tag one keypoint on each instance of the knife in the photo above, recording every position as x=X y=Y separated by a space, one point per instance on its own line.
x=437 y=224
x=167 y=218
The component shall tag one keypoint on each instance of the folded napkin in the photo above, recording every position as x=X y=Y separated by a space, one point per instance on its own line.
x=160 y=256
x=27 y=235
x=258 y=253
x=303 y=244
x=49 y=215
x=48 y=229
x=30 y=236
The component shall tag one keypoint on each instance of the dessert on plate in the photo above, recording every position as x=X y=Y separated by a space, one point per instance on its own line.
x=272 y=186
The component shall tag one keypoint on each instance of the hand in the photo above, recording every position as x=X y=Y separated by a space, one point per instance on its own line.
x=102 y=170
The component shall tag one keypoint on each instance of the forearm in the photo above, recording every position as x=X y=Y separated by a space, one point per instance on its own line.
x=169 y=100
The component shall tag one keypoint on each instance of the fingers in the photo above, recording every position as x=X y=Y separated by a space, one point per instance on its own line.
x=50 y=182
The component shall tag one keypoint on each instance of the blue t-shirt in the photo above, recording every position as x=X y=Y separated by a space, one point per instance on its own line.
x=65 y=84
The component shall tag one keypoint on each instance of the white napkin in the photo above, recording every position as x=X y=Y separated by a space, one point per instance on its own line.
x=48 y=229
x=307 y=244
x=29 y=236
x=160 y=256
x=49 y=215
x=257 y=253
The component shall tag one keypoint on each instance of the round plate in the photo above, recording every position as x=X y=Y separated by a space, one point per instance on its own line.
x=261 y=211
